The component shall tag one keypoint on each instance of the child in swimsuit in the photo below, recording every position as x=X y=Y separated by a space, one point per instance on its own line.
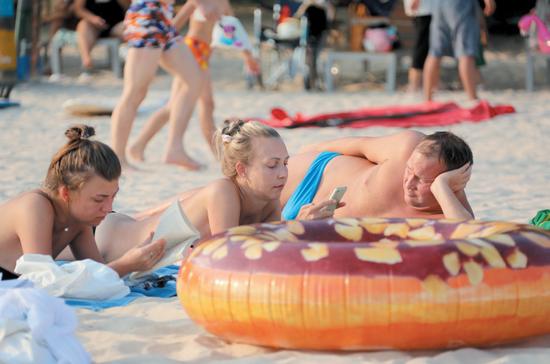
x=153 y=40
x=198 y=40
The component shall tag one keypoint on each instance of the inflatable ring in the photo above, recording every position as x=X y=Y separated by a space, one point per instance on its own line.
x=356 y=284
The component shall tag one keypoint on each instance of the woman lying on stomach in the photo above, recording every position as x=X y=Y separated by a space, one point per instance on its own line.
x=77 y=195
x=253 y=160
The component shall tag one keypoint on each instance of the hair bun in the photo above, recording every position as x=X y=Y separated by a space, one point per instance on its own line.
x=232 y=126
x=78 y=132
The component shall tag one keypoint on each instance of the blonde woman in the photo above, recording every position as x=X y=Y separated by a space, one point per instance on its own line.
x=253 y=160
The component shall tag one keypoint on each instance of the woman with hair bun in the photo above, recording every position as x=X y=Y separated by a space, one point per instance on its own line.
x=253 y=160
x=77 y=194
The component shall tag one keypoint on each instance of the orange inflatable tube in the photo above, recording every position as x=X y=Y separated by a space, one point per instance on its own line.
x=356 y=284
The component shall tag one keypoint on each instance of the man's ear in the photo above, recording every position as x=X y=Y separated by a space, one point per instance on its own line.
x=241 y=169
x=63 y=193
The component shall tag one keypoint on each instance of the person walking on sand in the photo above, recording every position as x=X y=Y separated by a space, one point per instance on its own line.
x=454 y=31
x=153 y=40
x=198 y=39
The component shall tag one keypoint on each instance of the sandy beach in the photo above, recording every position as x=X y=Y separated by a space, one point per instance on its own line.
x=509 y=182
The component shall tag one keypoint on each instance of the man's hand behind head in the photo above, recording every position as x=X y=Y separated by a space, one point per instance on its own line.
x=456 y=179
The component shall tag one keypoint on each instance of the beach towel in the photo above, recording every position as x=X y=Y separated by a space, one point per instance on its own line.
x=542 y=219
x=37 y=328
x=426 y=114
x=161 y=283
x=82 y=279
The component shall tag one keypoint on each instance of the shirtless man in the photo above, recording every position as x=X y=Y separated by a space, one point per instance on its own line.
x=407 y=174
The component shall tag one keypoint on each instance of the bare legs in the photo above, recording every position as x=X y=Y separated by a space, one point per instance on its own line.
x=180 y=62
x=141 y=66
x=155 y=123
x=431 y=76
x=206 y=112
x=162 y=116
x=468 y=75
x=87 y=35
x=466 y=70
x=415 y=80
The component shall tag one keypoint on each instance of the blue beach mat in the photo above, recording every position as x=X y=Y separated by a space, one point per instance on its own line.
x=161 y=283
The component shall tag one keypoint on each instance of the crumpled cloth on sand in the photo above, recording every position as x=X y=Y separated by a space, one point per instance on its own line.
x=82 y=279
x=542 y=219
x=37 y=328
x=161 y=283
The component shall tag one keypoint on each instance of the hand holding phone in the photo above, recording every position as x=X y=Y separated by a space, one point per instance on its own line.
x=336 y=195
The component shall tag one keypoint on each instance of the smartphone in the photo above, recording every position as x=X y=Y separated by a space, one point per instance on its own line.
x=336 y=195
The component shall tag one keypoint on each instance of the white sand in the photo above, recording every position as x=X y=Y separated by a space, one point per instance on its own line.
x=510 y=182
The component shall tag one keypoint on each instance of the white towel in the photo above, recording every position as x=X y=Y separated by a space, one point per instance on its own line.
x=82 y=279
x=37 y=328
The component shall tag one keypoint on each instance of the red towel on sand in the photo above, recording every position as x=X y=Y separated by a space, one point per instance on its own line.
x=427 y=114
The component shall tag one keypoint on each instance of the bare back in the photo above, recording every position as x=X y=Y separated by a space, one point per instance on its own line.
x=201 y=28
x=24 y=217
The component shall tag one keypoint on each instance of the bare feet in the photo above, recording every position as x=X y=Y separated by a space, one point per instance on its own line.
x=136 y=153
x=182 y=160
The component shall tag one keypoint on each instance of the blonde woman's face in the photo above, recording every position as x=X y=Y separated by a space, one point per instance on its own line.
x=93 y=201
x=267 y=172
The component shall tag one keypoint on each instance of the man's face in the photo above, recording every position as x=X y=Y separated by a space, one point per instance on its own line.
x=420 y=172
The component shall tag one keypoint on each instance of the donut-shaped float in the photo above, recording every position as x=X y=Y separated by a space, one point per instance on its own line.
x=356 y=284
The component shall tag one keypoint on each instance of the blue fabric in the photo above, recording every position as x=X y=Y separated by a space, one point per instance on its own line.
x=6 y=8
x=307 y=189
x=161 y=283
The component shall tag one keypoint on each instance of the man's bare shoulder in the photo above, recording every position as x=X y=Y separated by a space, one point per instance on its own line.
x=406 y=141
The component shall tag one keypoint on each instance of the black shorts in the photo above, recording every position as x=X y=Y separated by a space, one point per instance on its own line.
x=110 y=11
x=6 y=274
x=421 y=41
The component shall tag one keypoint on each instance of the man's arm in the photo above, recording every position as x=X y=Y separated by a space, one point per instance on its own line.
x=375 y=149
x=448 y=189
